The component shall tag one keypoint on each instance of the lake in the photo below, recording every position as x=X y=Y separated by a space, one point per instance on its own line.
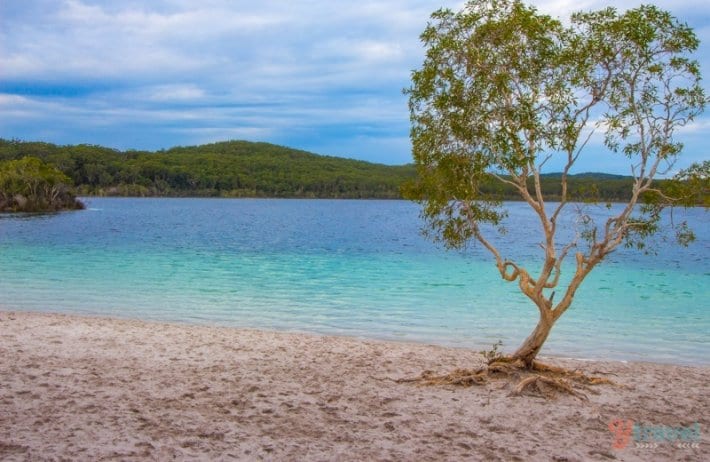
x=356 y=268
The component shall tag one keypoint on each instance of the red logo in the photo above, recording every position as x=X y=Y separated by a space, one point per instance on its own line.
x=622 y=430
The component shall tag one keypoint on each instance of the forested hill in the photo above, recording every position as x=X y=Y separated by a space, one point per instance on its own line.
x=228 y=169
x=246 y=169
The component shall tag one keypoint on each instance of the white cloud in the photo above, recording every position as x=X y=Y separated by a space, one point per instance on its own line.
x=565 y=7
x=12 y=100
x=175 y=93
x=199 y=21
x=374 y=51
x=331 y=70
x=700 y=126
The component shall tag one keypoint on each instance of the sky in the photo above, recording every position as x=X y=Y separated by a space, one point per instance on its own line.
x=325 y=76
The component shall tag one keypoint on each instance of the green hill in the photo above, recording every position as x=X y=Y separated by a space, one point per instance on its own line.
x=247 y=169
x=228 y=169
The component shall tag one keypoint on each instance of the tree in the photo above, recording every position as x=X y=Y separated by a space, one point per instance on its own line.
x=689 y=187
x=505 y=91
x=30 y=185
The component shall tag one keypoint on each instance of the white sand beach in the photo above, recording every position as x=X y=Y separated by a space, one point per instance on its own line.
x=82 y=388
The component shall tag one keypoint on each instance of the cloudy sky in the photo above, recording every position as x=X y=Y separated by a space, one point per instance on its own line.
x=325 y=76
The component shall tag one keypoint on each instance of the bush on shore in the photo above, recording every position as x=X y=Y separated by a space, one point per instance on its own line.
x=30 y=185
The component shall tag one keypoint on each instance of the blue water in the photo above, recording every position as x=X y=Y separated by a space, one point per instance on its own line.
x=357 y=268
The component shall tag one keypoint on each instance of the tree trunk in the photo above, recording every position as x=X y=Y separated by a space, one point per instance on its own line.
x=532 y=345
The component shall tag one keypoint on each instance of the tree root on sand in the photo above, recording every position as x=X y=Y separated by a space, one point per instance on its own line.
x=546 y=386
x=539 y=380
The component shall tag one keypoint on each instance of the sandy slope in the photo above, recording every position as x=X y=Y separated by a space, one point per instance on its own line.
x=101 y=389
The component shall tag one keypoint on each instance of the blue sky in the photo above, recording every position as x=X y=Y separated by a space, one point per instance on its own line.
x=324 y=76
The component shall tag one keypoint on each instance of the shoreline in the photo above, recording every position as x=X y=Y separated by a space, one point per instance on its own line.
x=553 y=200
x=204 y=323
x=85 y=387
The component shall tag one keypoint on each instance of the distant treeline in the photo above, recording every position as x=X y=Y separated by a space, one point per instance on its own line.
x=246 y=169
x=229 y=169
x=581 y=187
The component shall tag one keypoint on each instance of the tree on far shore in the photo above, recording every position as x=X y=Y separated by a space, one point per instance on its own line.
x=505 y=90
x=30 y=185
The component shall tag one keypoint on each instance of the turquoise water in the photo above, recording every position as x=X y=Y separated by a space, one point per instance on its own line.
x=357 y=268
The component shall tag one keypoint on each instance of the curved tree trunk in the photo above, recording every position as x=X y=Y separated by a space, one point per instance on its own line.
x=532 y=345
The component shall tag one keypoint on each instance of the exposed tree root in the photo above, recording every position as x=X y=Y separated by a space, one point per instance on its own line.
x=545 y=386
x=574 y=375
x=541 y=379
x=461 y=377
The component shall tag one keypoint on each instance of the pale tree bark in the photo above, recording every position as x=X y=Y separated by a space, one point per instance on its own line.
x=613 y=234
x=528 y=351
x=503 y=105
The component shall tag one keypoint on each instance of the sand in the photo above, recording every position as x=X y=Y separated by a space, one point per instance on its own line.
x=81 y=388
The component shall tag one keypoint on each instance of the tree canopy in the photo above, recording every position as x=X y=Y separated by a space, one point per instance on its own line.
x=504 y=91
x=30 y=185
